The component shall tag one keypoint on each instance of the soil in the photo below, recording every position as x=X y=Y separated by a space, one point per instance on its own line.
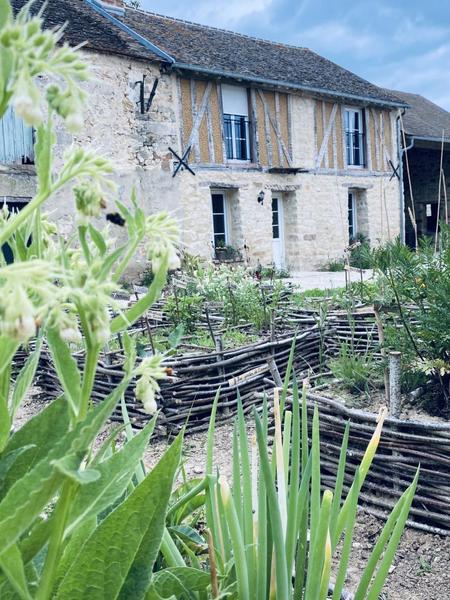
x=421 y=568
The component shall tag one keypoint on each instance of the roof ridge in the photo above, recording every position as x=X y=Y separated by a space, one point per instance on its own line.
x=210 y=27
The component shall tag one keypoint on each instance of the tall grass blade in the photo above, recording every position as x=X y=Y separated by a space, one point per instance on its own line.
x=317 y=549
x=281 y=575
x=348 y=539
x=294 y=481
x=337 y=496
x=363 y=470
x=394 y=541
x=237 y=541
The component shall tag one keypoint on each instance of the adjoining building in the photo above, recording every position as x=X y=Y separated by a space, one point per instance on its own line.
x=425 y=165
x=269 y=150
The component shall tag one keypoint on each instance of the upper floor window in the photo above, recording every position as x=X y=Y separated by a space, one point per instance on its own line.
x=236 y=122
x=16 y=140
x=354 y=137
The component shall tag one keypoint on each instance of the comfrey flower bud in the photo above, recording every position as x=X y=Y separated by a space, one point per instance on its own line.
x=18 y=320
x=26 y=101
x=88 y=200
x=149 y=370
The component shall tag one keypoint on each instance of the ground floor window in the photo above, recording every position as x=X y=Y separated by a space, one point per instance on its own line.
x=219 y=215
x=352 y=225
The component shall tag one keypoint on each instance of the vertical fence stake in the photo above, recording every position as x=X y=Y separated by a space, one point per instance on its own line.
x=395 y=402
x=394 y=384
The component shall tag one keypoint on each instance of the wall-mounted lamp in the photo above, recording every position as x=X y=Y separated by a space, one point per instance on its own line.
x=261 y=197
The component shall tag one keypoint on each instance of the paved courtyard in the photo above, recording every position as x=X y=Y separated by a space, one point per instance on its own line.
x=324 y=280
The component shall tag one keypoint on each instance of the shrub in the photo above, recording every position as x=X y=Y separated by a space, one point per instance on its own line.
x=418 y=285
x=356 y=371
x=360 y=253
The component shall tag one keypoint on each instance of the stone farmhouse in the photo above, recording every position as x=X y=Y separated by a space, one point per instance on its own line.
x=261 y=147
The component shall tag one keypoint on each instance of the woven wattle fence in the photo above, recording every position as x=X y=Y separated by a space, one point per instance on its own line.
x=404 y=444
x=255 y=369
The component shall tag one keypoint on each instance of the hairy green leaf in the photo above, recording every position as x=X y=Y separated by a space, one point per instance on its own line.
x=25 y=378
x=67 y=369
x=177 y=581
x=124 y=546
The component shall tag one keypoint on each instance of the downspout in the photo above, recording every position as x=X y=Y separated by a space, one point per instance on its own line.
x=401 y=152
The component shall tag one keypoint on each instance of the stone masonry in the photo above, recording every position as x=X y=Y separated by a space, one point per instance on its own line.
x=315 y=201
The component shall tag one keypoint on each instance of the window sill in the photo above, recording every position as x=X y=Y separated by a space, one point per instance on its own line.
x=17 y=169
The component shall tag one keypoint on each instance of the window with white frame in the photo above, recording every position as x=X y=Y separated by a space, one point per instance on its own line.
x=16 y=140
x=354 y=136
x=352 y=208
x=236 y=122
x=219 y=216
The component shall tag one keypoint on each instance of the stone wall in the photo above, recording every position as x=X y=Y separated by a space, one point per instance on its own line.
x=315 y=202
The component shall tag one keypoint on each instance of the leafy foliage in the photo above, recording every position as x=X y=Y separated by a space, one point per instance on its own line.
x=274 y=533
x=357 y=371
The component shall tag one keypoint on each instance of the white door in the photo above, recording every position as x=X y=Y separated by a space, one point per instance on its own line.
x=277 y=233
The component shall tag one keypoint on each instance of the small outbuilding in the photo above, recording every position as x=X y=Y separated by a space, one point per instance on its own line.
x=425 y=168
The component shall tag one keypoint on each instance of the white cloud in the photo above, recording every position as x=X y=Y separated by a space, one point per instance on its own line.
x=227 y=14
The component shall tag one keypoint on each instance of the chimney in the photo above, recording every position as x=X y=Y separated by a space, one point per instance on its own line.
x=115 y=7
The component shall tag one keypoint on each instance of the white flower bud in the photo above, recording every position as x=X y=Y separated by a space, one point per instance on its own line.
x=74 y=122
x=71 y=334
x=149 y=402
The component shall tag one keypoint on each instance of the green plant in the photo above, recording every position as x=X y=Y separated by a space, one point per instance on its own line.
x=273 y=533
x=360 y=253
x=357 y=371
x=334 y=265
x=64 y=501
x=184 y=309
x=418 y=285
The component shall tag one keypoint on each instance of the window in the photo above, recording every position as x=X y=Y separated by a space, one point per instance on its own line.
x=351 y=215
x=219 y=214
x=354 y=137
x=275 y=219
x=236 y=123
x=16 y=140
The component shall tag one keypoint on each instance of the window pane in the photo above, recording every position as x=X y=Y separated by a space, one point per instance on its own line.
x=351 y=216
x=219 y=223
x=227 y=125
x=217 y=203
x=219 y=239
x=275 y=232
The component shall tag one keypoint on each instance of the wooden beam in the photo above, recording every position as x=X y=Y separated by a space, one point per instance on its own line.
x=326 y=136
x=275 y=127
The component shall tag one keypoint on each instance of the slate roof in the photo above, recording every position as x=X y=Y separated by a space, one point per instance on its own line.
x=208 y=50
x=202 y=48
x=84 y=24
x=424 y=119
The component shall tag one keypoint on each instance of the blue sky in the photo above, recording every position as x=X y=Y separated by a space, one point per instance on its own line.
x=401 y=44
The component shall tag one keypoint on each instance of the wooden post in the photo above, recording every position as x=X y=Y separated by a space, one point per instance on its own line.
x=394 y=384
x=219 y=350
x=395 y=401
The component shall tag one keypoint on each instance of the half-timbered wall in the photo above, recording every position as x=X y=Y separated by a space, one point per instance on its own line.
x=202 y=124
x=330 y=137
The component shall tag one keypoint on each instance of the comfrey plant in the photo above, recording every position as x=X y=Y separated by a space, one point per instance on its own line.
x=75 y=522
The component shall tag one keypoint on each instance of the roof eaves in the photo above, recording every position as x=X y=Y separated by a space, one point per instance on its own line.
x=139 y=38
x=426 y=138
x=291 y=85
